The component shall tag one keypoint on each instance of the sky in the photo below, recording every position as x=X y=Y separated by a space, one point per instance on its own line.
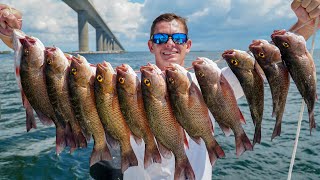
x=213 y=24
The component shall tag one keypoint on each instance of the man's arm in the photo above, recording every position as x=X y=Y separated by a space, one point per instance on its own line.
x=305 y=10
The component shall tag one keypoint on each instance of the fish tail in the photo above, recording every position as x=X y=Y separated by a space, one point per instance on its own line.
x=151 y=155
x=99 y=154
x=128 y=159
x=257 y=134
x=242 y=144
x=183 y=170
x=312 y=122
x=214 y=150
x=80 y=140
x=30 y=120
x=60 y=139
x=277 y=127
x=70 y=141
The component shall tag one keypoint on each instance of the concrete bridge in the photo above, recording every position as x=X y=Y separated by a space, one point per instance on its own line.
x=105 y=39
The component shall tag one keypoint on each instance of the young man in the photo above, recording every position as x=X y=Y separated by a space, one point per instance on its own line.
x=174 y=47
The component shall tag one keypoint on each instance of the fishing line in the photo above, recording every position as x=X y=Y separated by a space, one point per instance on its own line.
x=302 y=108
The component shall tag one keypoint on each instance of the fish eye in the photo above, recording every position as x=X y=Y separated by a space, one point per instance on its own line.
x=121 y=80
x=49 y=61
x=171 y=80
x=201 y=74
x=261 y=54
x=285 y=44
x=26 y=52
x=99 y=78
x=234 y=62
x=74 y=71
x=147 y=82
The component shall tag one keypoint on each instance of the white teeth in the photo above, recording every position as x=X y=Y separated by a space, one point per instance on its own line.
x=168 y=53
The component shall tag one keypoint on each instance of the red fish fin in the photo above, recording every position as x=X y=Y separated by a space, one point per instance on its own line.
x=186 y=143
x=214 y=150
x=165 y=152
x=30 y=120
x=60 y=139
x=196 y=139
x=183 y=170
x=312 y=122
x=242 y=120
x=114 y=144
x=128 y=159
x=226 y=130
x=242 y=144
x=276 y=130
x=257 y=135
x=70 y=142
x=45 y=120
x=137 y=139
x=100 y=154
x=151 y=154
x=195 y=92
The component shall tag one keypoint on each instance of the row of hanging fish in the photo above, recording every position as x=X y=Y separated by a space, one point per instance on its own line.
x=84 y=100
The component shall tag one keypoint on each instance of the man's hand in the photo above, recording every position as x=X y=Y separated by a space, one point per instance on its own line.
x=10 y=19
x=305 y=10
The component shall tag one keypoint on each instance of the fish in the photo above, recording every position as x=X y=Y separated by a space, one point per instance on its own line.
x=56 y=73
x=244 y=66
x=220 y=99
x=33 y=84
x=169 y=134
x=269 y=58
x=81 y=89
x=300 y=65
x=131 y=105
x=190 y=109
x=108 y=107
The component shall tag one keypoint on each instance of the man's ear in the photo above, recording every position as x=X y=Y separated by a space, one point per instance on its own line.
x=150 y=45
x=188 y=44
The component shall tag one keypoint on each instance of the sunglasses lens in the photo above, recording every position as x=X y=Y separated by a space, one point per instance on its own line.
x=160 y=38
x=179 y=38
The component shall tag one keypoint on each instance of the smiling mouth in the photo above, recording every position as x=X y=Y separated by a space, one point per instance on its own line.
x=170 y=53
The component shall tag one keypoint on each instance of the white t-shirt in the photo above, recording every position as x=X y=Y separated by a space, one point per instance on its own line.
x=197 y=154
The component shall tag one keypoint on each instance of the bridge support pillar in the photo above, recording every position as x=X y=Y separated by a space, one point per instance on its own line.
x=83 y=31
x=99 y=39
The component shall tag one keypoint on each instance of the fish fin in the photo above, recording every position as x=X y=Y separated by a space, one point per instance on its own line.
x=45 y=120
x=196 y=139
x=114 y=144
x=214 y=150
x=226 y=130
x=137 y=139
x=70 y=141
x=183 y=170
x=151 y=154
x=80 y=139
x=30 y=120
x=312 y=122
x=242 y=144
x=257 y=135
x=277 y=129
x=259 y=71
x=128 y=159
x=100 y=154
x=165 y=152
x=60 y=139
x=186 y=143
x=242 y=120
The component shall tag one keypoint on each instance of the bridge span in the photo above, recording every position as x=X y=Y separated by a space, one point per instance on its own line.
x=87 y=14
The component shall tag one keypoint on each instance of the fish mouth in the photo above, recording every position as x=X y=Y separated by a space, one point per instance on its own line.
x=49 y=51
x=278 y=33
x=229 y=54
x=122 y=69
x=255 y=43
x=27 y=41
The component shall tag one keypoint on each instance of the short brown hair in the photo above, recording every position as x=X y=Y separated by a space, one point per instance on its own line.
x=168 y=17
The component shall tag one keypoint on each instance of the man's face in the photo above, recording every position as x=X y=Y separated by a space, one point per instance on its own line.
x=169 y=52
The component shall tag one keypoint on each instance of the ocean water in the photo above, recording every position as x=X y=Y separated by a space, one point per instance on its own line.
x=31 y=155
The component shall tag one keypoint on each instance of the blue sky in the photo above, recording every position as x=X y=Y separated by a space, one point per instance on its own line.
x=213 y=24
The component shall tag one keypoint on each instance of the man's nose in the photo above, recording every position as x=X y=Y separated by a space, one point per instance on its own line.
x=169 y=42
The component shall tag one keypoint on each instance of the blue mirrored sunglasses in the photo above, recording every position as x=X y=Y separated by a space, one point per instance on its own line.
x=161 y=38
